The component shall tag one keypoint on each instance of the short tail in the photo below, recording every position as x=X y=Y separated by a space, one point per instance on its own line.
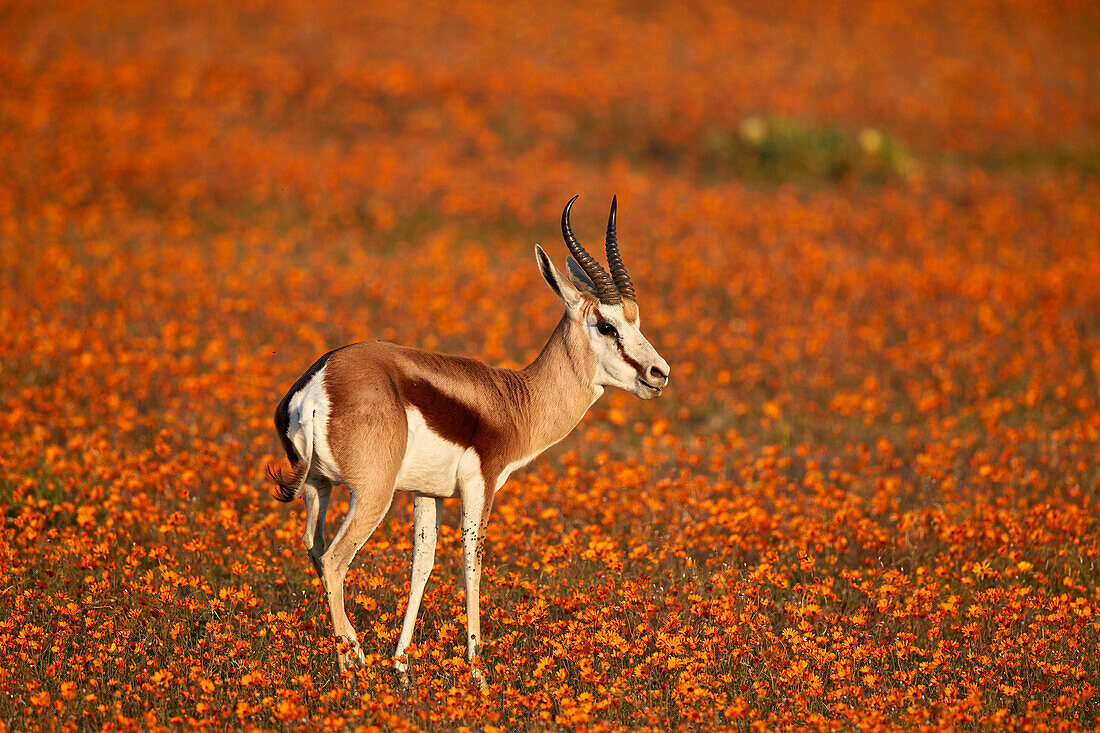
x=291 y=482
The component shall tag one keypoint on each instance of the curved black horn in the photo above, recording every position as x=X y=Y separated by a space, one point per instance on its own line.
x=605 y=287
x=614 y=260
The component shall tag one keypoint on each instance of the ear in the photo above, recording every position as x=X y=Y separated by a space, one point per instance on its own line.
x=564 y=289
x=579 y=277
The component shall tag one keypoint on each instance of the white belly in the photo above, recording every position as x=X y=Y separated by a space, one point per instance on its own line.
x=432 y=465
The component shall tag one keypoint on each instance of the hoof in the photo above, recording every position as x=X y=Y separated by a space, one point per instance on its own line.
x=401 y=671
x=352 y=659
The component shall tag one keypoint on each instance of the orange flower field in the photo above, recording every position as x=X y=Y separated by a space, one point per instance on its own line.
x=865 y=235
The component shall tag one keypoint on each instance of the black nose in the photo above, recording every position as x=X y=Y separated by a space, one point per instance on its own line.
x=656 y=376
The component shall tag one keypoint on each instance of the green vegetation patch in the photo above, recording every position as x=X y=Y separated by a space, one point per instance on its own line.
x=779 y=149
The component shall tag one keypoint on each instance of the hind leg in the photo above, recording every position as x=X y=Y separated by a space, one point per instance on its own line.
x=315 y=494
x=370 y=500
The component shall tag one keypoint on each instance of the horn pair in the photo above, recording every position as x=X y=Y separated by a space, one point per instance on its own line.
x=611 y=289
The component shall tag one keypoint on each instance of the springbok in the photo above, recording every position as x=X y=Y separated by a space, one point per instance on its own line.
x=381 y=418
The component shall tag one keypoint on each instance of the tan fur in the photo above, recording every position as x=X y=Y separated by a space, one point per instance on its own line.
x=504 y=415
x=380 y=417
x=630 y=310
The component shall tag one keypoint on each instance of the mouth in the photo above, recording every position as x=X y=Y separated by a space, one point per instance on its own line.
x=653 y=388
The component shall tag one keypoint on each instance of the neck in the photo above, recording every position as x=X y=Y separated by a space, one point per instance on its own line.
x=561 y=386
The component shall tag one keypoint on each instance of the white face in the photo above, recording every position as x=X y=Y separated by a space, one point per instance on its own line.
x=624 y=358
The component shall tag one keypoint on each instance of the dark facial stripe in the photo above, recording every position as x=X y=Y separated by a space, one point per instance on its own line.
x=627 y=359
x=619 y=343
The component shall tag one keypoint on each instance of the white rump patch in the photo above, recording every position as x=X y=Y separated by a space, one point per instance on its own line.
x=308 y=414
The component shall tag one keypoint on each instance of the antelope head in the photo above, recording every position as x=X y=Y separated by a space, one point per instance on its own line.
x=603 y=306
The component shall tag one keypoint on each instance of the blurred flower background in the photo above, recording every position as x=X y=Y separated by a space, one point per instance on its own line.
x=865 y=235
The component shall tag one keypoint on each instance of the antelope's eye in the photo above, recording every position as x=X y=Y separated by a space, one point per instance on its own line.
x=607 y=329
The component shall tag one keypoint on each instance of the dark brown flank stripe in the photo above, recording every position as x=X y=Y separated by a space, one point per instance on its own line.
x=447 y=417
x=461 y=400
x=503 y=415
x=492 y=432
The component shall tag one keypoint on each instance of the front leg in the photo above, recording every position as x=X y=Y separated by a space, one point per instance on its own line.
x=476 y=503
x=425 y=530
